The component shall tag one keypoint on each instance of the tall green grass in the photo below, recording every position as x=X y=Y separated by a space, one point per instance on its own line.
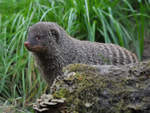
x=120 y=22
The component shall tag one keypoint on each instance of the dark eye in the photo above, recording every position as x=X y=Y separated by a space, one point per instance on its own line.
x=38 y=38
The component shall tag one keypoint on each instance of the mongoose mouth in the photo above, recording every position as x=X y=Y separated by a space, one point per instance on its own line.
x=35 y=48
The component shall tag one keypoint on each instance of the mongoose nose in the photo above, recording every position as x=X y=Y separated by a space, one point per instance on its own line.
x=26 y=44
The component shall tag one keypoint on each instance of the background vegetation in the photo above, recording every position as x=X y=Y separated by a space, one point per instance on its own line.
x=123 y=22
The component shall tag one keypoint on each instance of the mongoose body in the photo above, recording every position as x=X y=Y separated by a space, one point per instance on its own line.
x=53 y=49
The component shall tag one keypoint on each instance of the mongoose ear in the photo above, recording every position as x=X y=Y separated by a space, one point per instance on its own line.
x=55 y=34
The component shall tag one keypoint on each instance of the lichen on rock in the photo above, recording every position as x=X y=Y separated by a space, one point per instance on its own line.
x=104 y=89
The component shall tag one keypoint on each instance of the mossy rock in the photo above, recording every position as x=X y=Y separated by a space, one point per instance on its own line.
x=104 y=89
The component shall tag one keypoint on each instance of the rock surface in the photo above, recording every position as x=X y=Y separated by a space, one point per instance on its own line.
x=101 y=89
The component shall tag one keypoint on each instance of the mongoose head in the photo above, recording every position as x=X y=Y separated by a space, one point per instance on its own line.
x=42 y=36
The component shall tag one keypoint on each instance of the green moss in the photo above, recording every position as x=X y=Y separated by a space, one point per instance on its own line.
x=78 y=68
x=86 y=90
x=61 y=93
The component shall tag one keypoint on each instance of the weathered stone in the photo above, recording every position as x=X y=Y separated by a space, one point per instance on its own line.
x=103 y=89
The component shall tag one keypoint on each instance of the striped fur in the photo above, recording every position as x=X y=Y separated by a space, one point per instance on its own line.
x=56 y=49
x=119 y=55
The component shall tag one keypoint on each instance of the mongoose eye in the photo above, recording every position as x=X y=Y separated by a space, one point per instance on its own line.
x=38 y=38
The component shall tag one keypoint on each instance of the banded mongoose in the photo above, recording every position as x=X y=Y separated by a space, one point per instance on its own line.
x=53 y=49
